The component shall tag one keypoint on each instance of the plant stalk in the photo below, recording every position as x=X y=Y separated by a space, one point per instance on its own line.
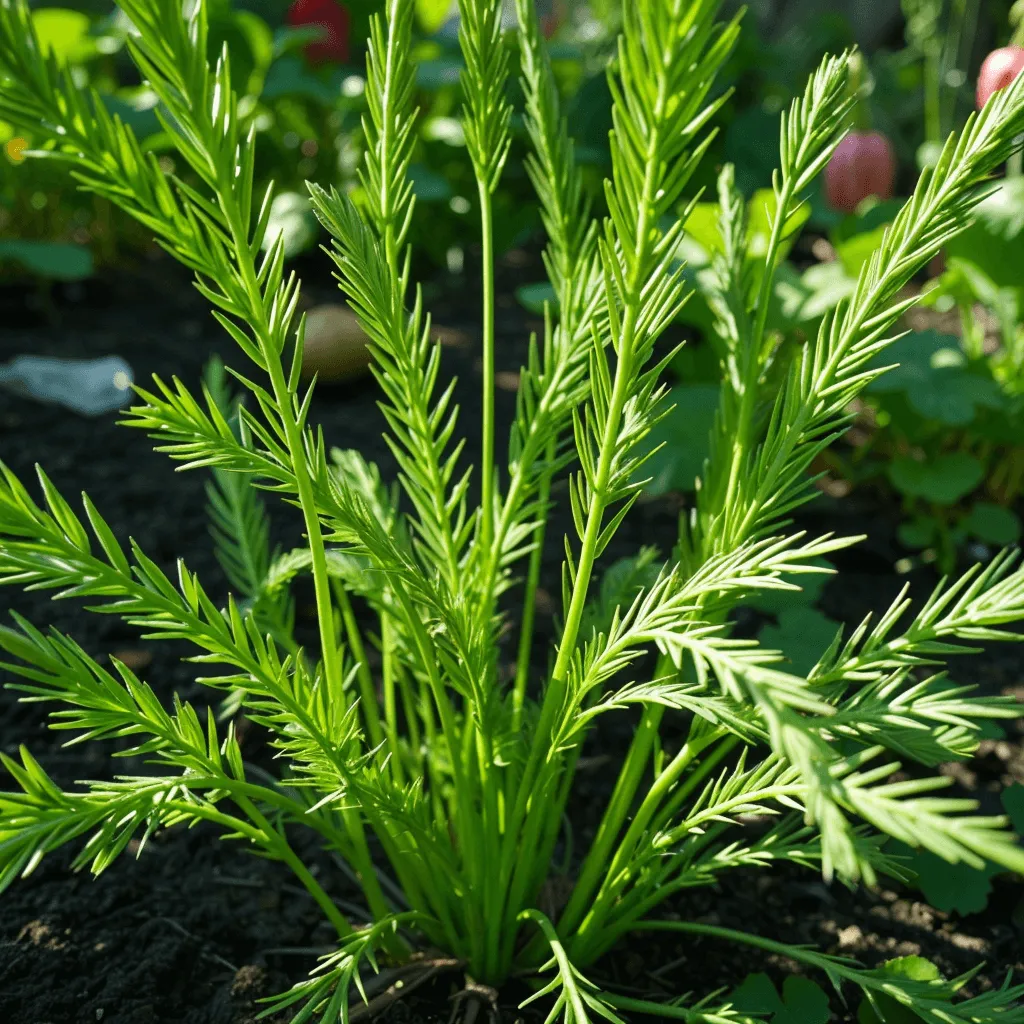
x=487 y=480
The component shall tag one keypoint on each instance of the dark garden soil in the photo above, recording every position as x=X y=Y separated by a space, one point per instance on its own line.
x=195 y=930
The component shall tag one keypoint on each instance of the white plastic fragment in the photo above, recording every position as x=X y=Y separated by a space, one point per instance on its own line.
x=87 y=386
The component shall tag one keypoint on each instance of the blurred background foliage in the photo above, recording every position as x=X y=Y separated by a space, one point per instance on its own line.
x=944 y=435
x=306 y=105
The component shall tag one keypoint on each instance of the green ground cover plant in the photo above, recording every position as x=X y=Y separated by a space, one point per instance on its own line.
x=442 y=785
x=949 y=422
x=942 y=431
x=306 y=115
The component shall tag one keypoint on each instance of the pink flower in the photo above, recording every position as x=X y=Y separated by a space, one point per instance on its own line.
x=333 y=19
x=998 y=70
x=863 y=165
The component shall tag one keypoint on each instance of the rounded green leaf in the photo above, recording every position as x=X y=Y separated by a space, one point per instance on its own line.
x=914 y=968
x=432 y=14
x=535 y=296
x=59 y=261
x=64 y=33
x=1013 y=804
x=918 y=533
x=684 y=436
x=804 y=1002
x=955 y=888
x=431 y=187
x=995 y=239
x=943 y=480
x=993 y=523
x=803 y=635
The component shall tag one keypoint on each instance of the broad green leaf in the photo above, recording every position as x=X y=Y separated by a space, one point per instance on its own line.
x=700 y=278
x=955 y=888
x=250 y=44
x=914 y=968
x=289 y=38
x=65 y=34
x=702 y=228
x=934 y=375
x=953 y=397
x=913 y=355
x=963 y=276
x=429 y=186
x=943 y=480
x=61 y=261
x=756 y=994
x=803 y=1001
x=802 y=634
x=702 y=225
x=992 y=523
x=760 y=211
x=995 y=240
x=534 y=296
x=805 y=298
x=432 y=14
x=289 y=76
x=1013 y=804
x=260 y=38
x=873 y=214
x=917 y=533
x=856 y=251
x=857 y=235
x=685 y=438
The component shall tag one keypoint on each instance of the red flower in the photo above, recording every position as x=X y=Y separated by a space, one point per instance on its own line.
x=329 y=16
x=552 y=17
x=863 y=165
x=998 y=70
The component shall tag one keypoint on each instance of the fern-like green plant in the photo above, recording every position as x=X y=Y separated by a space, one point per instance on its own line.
x=439 y=783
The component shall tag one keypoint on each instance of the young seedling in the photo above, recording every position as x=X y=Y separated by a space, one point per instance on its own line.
x=440 y=787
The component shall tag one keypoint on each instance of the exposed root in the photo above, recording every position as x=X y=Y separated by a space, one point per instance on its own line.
x=471 y=1000
x=396 y=983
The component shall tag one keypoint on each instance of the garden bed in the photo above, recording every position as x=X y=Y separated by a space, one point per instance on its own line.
x=195 y=930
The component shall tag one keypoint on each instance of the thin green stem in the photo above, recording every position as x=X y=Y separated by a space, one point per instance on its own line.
x=558 y=687
x=957 y=43
x=616 y=876
x=390 y=671
x=304 y=488
x=463 y=817
x=708 y=763
x=487 y=480
x=596 y=863
x=834 y=966
x=526 y=628
x=557 y=690
x=288 y=856
x=367 y=691
x=647 y=1007
x=751 y=369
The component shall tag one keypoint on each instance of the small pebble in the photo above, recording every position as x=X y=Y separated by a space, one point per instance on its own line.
x=132 y=657
x=335 y=346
